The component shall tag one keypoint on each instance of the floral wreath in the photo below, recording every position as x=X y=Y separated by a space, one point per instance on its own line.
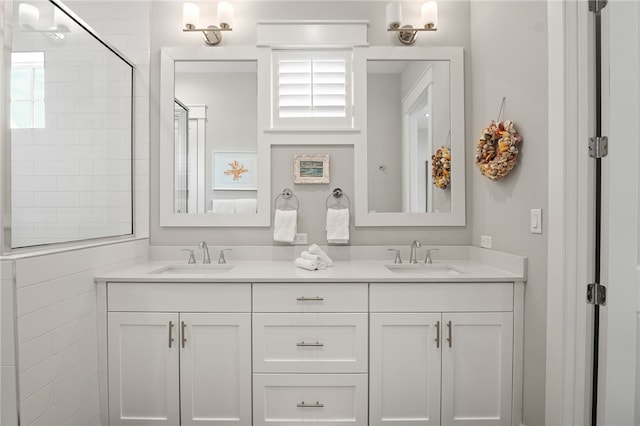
x=497 y=149
x=441 y=167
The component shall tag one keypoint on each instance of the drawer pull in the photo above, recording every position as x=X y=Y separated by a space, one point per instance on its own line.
x=449 y=339
x=305 y=405
x=310 y=299
x=437 y=334
x=318 y=344
x=170 y=333
x=184 y=334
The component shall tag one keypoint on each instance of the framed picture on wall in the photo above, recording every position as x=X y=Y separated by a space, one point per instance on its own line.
x=311 y=168
x=235 y=171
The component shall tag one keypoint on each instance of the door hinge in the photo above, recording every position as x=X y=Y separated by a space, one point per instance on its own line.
x=596 y=6
x=598 y=147
x=596 y=294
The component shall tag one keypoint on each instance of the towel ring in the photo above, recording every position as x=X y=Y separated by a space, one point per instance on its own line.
x=287 y=194
x=337 y=194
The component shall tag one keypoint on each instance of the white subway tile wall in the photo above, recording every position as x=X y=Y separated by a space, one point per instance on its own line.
x=70 y=180
x=8 y=402
x=57 y=332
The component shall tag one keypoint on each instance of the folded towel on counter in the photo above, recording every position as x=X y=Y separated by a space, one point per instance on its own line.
x=337 y=226
x=321 y=264
x=314 y=249
x=308 y=264
x=224 y=206
x=285 y=225
x=246 y=205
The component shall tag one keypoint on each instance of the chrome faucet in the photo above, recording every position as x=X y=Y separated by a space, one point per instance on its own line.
x=412 y=256
x=397 y=259
x=205 y=248
x=221 y=259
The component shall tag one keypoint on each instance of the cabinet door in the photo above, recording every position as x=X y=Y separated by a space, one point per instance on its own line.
x=405 y=369
x=215 y=369
x=477 y=368
x=143 y=369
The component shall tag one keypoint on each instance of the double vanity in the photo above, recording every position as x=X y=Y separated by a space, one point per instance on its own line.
x=364 y=342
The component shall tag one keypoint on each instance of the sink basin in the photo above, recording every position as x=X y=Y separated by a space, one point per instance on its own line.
x=194 y=269
x=423 y=269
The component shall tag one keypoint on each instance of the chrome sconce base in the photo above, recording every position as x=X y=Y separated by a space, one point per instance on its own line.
x=407 y=34
x=212 y=34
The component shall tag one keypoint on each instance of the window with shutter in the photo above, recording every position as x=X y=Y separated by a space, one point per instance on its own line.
x=312 y=89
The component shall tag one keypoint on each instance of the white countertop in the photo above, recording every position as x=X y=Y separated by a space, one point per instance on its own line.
x=266 y=271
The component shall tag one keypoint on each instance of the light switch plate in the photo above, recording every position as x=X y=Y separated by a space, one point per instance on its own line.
x=536 y=221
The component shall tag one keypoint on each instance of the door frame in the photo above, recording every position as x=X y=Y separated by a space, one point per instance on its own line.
x=570 y=216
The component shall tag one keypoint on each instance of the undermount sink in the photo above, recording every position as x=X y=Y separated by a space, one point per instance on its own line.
x=423 y=269
x=211 y=268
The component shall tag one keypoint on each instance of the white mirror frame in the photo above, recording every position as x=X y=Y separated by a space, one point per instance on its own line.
x=167 y=93
x=457 y=215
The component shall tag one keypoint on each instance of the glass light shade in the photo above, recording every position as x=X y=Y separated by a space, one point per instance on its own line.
x=190 y=15
x=430 y=14
x=28 y=15
x=394 y=14
x=225 y=13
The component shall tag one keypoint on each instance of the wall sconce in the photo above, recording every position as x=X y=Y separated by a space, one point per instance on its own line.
x=212 y=36
x=406 y=33
x=29 y=19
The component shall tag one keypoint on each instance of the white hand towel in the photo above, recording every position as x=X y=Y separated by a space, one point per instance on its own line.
x=285 y=225
x=246 y=205
x=337 y=226
x=311 y=265
x=314 y=249
x=224 y=206
x=321 y=264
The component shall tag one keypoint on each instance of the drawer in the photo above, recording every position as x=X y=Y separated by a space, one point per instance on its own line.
x=324 y=399
x=441 y=297
x=310 y=343
x=310 y=297
x=179 y=297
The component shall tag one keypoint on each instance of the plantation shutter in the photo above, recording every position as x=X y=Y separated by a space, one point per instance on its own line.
x=312 y=86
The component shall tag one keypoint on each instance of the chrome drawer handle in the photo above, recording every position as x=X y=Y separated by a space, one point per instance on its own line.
x=171 y=339
x=305 y=405
x=310 y=299
x=309 y=344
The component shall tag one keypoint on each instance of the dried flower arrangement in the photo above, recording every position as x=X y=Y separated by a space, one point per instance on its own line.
x=441 y=167
x=497 y=149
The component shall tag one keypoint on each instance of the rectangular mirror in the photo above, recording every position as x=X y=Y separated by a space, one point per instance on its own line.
x=414 y=174
x=214 y=168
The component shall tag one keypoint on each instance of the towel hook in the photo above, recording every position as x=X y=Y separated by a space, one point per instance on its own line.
x=337 y=193
x=286 y=195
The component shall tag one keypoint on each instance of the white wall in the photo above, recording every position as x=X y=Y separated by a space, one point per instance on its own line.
x=57 y=332
x=510 y=60
x=55 y=298
x=8 y=367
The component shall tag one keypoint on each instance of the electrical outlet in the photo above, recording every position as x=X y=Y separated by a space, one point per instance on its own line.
x=485 y=241
x=300 y=239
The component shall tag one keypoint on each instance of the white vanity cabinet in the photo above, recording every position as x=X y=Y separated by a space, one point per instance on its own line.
x=441 y=354
x=179 y=354
x=310 y=353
